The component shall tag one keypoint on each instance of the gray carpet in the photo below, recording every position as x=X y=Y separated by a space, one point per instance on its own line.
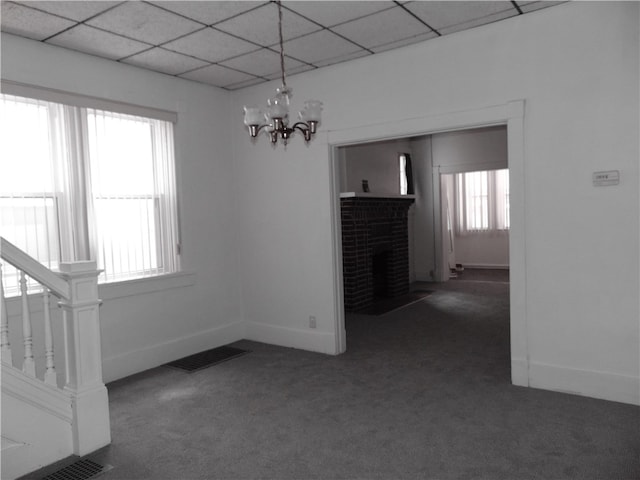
x=422 y=393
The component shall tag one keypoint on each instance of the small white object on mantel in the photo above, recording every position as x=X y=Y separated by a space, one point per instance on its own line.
x=374 y=195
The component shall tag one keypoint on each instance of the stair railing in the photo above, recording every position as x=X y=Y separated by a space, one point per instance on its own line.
x=76 y=287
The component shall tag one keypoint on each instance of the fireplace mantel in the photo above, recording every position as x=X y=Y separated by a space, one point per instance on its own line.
x=373 y=195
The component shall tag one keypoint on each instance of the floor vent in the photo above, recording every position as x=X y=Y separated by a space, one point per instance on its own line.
x=80 y=470
x=206 y=359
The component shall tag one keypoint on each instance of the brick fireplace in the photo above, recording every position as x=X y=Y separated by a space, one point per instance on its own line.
x=375 y=248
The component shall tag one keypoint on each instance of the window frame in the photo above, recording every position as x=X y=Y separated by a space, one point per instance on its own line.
x=82 y=104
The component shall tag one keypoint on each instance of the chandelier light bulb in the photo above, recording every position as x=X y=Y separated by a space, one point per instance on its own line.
x=275 y=120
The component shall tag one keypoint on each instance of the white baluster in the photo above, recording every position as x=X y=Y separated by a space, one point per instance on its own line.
x=50 y=376
x=29 y=365
x=5 y=345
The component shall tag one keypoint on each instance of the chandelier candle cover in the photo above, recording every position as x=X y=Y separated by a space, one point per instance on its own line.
x=276 y=118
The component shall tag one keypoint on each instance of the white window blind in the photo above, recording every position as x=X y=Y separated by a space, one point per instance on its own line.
x=482 y=201
x=79 y=183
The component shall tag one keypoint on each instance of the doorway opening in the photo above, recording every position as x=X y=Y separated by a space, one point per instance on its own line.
x=510 y=118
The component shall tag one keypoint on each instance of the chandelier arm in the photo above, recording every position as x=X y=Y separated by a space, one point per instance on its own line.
x=304 y=128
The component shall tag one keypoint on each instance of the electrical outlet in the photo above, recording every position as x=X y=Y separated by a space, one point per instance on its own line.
x=312 y=322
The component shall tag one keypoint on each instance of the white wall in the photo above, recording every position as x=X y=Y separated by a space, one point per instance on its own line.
x=581 y=94
x=180 y=315
x=471 y=150
x=377 y=163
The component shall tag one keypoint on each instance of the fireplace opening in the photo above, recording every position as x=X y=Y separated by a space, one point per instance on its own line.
x=380 y=273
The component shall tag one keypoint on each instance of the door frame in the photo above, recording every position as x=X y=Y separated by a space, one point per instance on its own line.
x=511 y=114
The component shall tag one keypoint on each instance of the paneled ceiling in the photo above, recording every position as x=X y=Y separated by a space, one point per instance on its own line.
x=234 y=44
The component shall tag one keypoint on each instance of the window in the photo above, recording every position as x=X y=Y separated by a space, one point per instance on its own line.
x=406 y=174
x=482 y=201
x=81 y=183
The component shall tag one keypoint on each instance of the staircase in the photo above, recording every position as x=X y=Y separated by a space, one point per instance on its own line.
x=52 y=407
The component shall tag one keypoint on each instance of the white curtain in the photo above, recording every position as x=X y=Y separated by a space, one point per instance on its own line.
x=482 y=202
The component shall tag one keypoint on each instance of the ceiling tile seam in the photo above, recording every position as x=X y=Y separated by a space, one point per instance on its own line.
x=277 y=52
x=329 y=27
x=517 y=7
x=27 y=5
x=418 y=18
x=223 y=66
x=151 y=45
x=490 y=16
x=174 y=13
x=75 y=22
x=241 y=13
x=340 y=23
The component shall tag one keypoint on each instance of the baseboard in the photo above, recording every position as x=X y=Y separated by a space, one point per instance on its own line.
x=519 y=372
x=311 y=340
x=123 y=365
x=423 y=276
x=486 y=266
x=589 y=383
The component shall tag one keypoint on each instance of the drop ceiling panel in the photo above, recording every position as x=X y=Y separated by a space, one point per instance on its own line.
x=332 y=13
x=144 y=22
x=290 y=72
x=262 y=63
x=343 y=58
x=73 y=10
x=184 y=37
x=208 y=13
x=494 y=17
x=441 y=15
x=261 y=25
x=532 y=6
x=217 y=75
x=382 y=28
x=307 y=48
x=30 y=23
x=97 y=42
x=164 y=61
x=210 y=44
x=404 y=42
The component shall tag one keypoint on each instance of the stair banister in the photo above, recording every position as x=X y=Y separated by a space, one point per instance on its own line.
x=76 y=285
x=33 y=268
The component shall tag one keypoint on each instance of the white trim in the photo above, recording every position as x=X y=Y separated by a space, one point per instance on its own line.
x=36 y=393
x=139 y=286
x=340 y=335
x=312 y=340
x=487 y=266
x=10 y=87
x=590 y=383
x=476 y=167
x=128 y=363
x=511 y=114
x=114 y=290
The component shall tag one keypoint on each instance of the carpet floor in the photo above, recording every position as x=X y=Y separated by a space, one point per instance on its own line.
x=422 y=393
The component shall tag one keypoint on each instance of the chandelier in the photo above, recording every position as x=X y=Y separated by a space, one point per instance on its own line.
x=275 y=120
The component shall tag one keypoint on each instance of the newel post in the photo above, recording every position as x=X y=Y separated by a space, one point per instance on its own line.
x=90 y=402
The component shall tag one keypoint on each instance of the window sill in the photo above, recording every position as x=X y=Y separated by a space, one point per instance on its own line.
x=138 y=286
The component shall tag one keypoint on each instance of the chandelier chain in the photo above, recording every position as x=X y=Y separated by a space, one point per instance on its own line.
x=284 y=82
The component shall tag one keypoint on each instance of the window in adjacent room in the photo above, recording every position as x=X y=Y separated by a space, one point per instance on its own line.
x=406 y=174
x=81 y=183
x=482 y=201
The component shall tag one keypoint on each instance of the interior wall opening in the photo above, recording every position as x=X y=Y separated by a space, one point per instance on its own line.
x=377 y=171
